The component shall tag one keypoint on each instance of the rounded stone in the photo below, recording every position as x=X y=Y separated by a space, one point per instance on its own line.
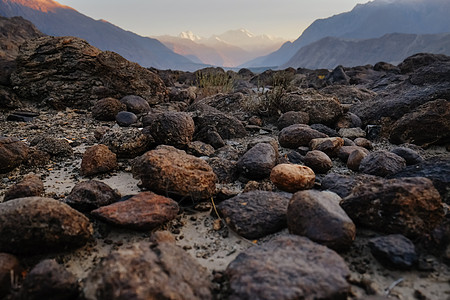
x=125 y=118
x=292 y=178
x=318 y=161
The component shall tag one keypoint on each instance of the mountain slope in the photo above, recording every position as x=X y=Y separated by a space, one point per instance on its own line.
x=393 y=48
x=370 y=20
x=54 y=19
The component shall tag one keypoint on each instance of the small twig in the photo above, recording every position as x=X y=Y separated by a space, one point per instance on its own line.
x=393 y=285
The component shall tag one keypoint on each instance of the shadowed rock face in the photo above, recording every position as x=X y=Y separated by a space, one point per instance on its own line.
x=67 y=71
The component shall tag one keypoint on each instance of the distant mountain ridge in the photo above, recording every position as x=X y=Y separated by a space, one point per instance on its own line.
x=393 y=48
x=55 y=19
x=228 y=49
x=371 y=20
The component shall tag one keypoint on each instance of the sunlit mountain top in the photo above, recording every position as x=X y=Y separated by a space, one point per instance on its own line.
x=41 y=5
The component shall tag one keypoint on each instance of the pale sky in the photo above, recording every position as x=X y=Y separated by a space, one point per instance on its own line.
x=281 y=18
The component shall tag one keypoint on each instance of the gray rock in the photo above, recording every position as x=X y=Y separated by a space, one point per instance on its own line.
x=352 y=133
x=257 y=163
x=40 y=225
x=255 y=214
x=288 y=267
x=394 y=251
x=92 y=194
x=292 y=117
x=127 y=142
x=411 y=157
x=318 y=216
x=382 y=163
x=126 y=118
x=135 y=104
x=325 y=129
x=344 y=184
x=298 y=135
x=53 y=146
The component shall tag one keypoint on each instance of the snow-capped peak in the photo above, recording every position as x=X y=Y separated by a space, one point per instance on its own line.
x=189 y=35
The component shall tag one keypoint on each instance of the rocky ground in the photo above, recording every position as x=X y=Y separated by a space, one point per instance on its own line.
x=119 y=182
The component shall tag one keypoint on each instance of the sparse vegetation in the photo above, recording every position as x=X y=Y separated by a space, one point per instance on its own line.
x=212 y=81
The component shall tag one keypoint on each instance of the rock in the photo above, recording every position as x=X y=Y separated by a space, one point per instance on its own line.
x=318 y=216
x=256 y=121
x=298 y=135
x=352 y=133
x=322 y=109
x=273 y=141
x=408 y=206
x=257 y=163
x=210 y=136
x=355 y=158
x=99 y=132
x=225 y=170
x=144 y=211
x=382 y=163
x=171 y=128
x=106 y=109
x=9 y=267
x=255 y=214
x=324 y=129
x=427 y=125
x=83 y=73
x=125 y=118
x=349 y=120
x=338 y=76
x=136 y=104
x=170 y=171
x=345 y=151
x=37 y=158
x=318 y=161
x=417 y=61
x=53 y=146
x=288 y=267
x=30 y=186
x=228 y=127
x=435 y=169
x=198 y=148
x=98 y=159
x=363 y=142
x=143 y=271
x=294 y=157
x=348 y=142
x=330 y=146
x=92 y=194
x=373 y=131
x=49 y=280
x=12 y=153
x=126 y=142
x=410 y=156
x=394 y=251
x=292 y=178
x=344 y=184
x=292 y=117
x=36 y=225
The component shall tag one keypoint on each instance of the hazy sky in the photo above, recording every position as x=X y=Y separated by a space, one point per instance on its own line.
x=283 y=18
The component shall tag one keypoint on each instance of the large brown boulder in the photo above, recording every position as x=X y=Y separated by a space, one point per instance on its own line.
x=169 y=171
x=143 y=271
x=30 y=186
x=427 y=125
x=106 y=109
x=67 y=71
x=409 y=206
x=98 y=159
x=41 y=225
x=287 y=268
x=12 y=153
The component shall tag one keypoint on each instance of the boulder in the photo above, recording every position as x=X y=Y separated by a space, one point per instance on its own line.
x=10 y=269
x=410 y=156
x=83 y=73
x=225 y=169
x=363 y=142
x=324 y=129
x=382 y=163
x=228 y=127
x=355 y=158
x=30 y=186
x=40 y=225
x=136 y=104
x=408 y=206
x=144 y=271
x=345 y=151
x=330 y=146
x=318 y=161
x=292 y=178
x=49 y=280
x=344 y=184
x=209 y=135
x=394 y=251
x=53 y=146
x=127 y=142
x=198 y=149
x=292 y=117
x=298 y=135
x=257 y=163
x=338 y=76
x=255 y=214
x=428 y=124
x=106 y=109
x=349 y=120
x=352 y=133
x=98 y=159
x=318 y=216
x=126 y=118
x=170 y=171
x=144 y=211
x=171 y=128
x=89 y=195
x=12 y=153
x=288 y=267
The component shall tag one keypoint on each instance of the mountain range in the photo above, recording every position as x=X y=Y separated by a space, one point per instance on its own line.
x=228 y=49
x=55 y=19
x=367 y=21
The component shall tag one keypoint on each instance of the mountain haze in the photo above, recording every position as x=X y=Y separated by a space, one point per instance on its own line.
x=371 y=20
x=55 y=19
